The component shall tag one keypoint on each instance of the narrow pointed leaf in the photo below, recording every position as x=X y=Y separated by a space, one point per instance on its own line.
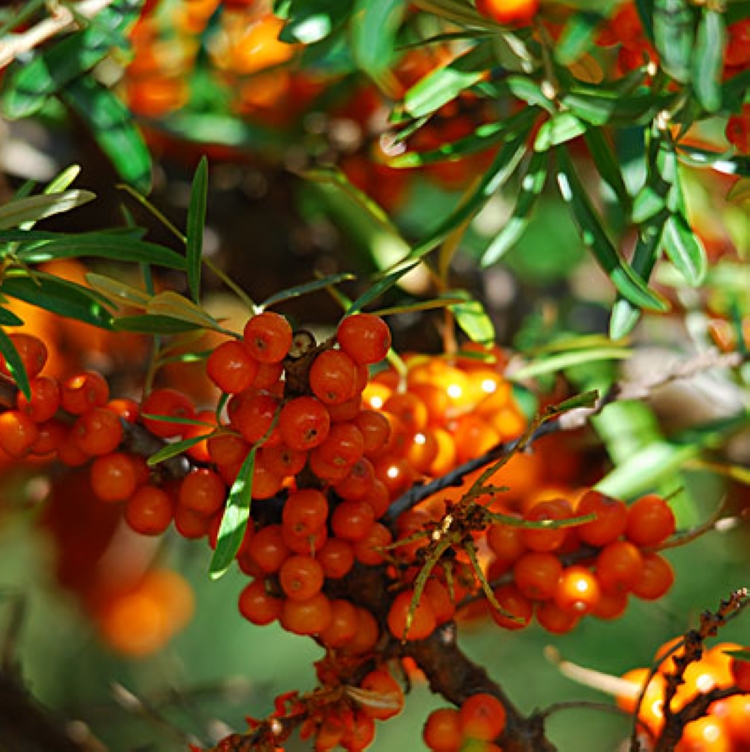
x=196 y=221
x=685 y=249
x=172 y=450
x=708 y=59
x=577 y=36
x=235 y=519
x=177 y=306
x=8 y=318
x=608 y=165
x=310 y=21
x=532 y=185
x=473 y=320
x=308 y=287
x=379 y=288
x=118 y=292
x=153 y=324
x=33 y=208
x=558 y=130
x=373 y=29
x=674 y=36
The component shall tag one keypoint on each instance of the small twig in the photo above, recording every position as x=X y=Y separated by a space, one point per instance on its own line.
x=62 y=19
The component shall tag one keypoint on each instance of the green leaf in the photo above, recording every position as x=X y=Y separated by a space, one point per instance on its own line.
x=113 y=128
x=685 y=249
x=373 y=28
x=196 y=221
x=112 y=246
x=708 y=59
x=235 y=519
x=623 y=277
x=173 y=449
x=532 y=185
x=15 y=364
x=674 y=35
x=473 y=319
x=8 y=318
x=59 y=296
x=530 y=91
x=445 y=83
x=577 y=36
x=305 y=289
x=496 y=175
x=379 y=288
x=561 y=361
x=118 y=292
x=153 y=324
x=608 y=164
x=28 y=86
x=176 y=306
x=648 y=202
x=559 y=129
x=18 y=211
x=309 y=21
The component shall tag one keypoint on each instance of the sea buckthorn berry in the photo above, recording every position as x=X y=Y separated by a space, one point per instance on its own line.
x=97 y=431
x=577 y=590
x=740 y=669
x=346 y=411
x=506 y=542
x=343 y=446
x=423 y=451
x=231 y=367
x=358 y=484
x=257 y=605
x=306 y=617
x=657 y=576
x=228 y=449
x=125 y=408
x=268 y=337
x=343 y=626
x=333 y=377
x=359 y=733
x=370 y=549
x=352 y=520
x=324 y=470
x=409 y=409
x=45 y=399
x=536 y=574
x=70 y=454
x=375 y=429
x=368 y=633
x=611 y=518
x=337 y=558
x=389 y=697
x=252 y=413
x=202 y=490
x=304 y=423
x=191 y=524
x=650 y=521
x=301 y=577
x=82 y=391
x=441 y=600
x=149 y=510
x=269 y=376
x=309 y=544
x=18 y=432
x=52 y=434
x=113 y=477
x=423 y=620
x=546 y=539
x=365 y=337
x=509 y=12
x=618 y=566
x=482 y=716
x=737 y=51
x=611 y=605
x=267 y=548
x=555 y=619
x=31 y=350
x=170 y=404
x=305 y=511
x=282 y=460
x=442 y=730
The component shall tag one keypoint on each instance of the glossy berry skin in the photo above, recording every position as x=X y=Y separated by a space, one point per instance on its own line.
x=149 y=511
x=482 y=716
x=423 y=621
x=44 y=402
x=442 y=730
x=268 y=337
x=333 y=377
x=741 y=673
x=304 y=423
x=650 y=521
x=167 y=403
x=578 y=590
x=511 y=12
x=611 y=518
x=231 y=367
x=364 y=337
x=257 y=606
x=113 y=477
x=82 y=391
x=32 y=352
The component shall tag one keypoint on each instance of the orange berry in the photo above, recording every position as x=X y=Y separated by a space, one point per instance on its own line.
x=231 y=367
x=304 y=423
x=267 y=548
x=168 y=404
x=202 y=490
x=252 y=413
x=333 y=377
x=352 y=520
x=305 y=511
x=301 y=577
x=344 y=624
x=578 y=590
x=536 y=574
x=257 y=605
x=365 y=337
x=656 y=578
x=82 y=391
x=336 y=557
x=482 y=716
x=546 y=539
x=18 y=432
x=611 y=518
x=740 y=670
x=422 y=617
x=555 y=619
x=306 y=617
x=650 y=521
x=389 y=697
x=149 y=510
x=97 y=431
x=113 y=477
x=45 y=399
x=619 y=566
x=442 y=730
x=31 y=350
x=268 y=337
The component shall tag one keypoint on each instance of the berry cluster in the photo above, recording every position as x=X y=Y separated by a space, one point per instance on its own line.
x=719 y=675
x=474 y=725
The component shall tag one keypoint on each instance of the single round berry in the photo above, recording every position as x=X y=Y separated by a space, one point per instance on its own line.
x=611 y=518
x=304 y=423
x=442 y=730
x=164 y=409
x=306 y=617
x=113 y=476
x=365 y=337
x=650 y=521
x=149 y=510
x=18 y=433
x=388 y=699
x=482 y=716
x=301 y=577
x=333 y=377
x=44 y=402
x=82 y=391
x=257 y=605
x=268 y=337
x=231 y=367
x=97 y=431
x=203 y=490
x=407 y=622
x=32 y=352
x=578 y=590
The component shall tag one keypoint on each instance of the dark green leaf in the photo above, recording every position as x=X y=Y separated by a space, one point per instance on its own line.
x=560 y=128
x=235 y=518
x=623 y=277
x=113 y=128
x=29 y=85
x=648 y=202
x=685 y=250
x=59 y=296
x=446 y=83
x=708 y=59
x=317 y=284
x=309 y=21
x=530 y=91
x=608 y=164
x=8 y=318
x=373 y=29
x=153 y=324
x=18 y=211
x=381 y=286
x=196 y=221
x=172 y=450
x=577 y=36
x=674 y=35
x=15 y=364
x=532 y=185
